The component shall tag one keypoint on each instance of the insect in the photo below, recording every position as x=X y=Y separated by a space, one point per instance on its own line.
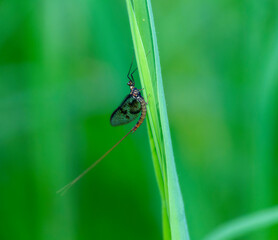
x=131 y=107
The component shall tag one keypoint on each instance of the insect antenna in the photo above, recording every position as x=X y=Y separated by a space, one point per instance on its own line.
x=130 y=76
x=63 y=190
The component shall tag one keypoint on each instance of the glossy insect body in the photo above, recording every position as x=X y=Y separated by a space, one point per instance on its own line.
x=137 y=95
x=130 y=108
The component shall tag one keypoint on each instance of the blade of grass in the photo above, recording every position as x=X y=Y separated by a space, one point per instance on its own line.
x=146 y=51
x=245 y=225
x=177 y=215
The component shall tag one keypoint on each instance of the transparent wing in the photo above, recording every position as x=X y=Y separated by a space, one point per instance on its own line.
x=129 y=109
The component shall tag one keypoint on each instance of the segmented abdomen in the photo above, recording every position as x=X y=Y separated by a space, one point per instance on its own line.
x=143 y=114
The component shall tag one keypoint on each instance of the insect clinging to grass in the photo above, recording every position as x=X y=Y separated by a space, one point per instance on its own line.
x=132 y=106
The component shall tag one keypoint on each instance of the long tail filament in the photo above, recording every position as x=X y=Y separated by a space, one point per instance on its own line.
x=63 y=190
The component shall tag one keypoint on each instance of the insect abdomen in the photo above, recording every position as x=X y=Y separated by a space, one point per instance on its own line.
x=143 y=114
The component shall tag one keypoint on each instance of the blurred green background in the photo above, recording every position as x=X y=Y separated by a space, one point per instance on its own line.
x=63 y=67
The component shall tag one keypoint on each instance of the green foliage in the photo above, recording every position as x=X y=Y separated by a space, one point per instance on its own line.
x=245 y=225
x=63 y=67
x=145 y=44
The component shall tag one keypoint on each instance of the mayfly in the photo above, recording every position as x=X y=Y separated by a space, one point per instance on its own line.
x=129 y=109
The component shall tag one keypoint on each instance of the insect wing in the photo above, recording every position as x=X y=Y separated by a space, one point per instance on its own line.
x=129 y=109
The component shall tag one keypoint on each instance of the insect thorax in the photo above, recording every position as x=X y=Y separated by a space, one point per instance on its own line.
x=135 y=94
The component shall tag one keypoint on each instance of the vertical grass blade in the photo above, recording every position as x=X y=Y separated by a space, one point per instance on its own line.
x=147 y=55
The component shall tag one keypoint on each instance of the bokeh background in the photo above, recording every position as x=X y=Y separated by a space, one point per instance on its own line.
x=63 y=67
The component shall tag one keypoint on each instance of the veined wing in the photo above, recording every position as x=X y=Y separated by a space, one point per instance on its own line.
x=129 y=109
